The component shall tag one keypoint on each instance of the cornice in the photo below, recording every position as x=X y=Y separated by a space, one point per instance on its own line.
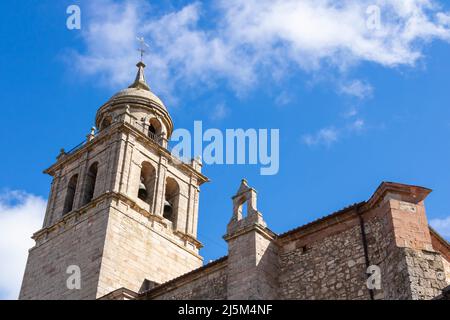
x=77 y=216
x=126 y=127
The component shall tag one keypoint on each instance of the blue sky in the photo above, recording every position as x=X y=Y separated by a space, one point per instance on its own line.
x=354 y=107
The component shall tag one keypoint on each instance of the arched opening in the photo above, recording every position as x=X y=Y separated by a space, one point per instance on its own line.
x=70 y=194
x=89 y=186
x=147 y=183
x=171 y=198
x=154 y=130
x=151 y=130
x=106 y=122
x=243 y=209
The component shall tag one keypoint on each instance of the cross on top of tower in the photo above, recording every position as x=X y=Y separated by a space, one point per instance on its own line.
x=142 y=47
x=139 y=82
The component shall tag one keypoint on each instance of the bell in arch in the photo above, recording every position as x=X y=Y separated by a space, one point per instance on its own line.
x=142 y=194
x=167 y=210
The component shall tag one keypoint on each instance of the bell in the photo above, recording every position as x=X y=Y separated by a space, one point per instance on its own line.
x=167 y=210
x=142 y=193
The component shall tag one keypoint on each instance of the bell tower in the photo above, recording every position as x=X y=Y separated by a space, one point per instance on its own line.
x=122 y=209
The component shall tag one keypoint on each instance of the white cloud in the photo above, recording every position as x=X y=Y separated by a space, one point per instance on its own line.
x=329 y=135
x=219 y=112
x=357 y=88
x=442 y=226
x=244 y=40
x=325 y=136
x=357 y=125
x=351 y=112
x=21 y=215
x=283 y=99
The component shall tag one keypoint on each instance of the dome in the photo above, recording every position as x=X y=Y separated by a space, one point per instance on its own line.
x=139 y=93
x=140 y=101
x=140 y=89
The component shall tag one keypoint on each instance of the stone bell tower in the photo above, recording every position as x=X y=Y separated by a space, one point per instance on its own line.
x=122 y=210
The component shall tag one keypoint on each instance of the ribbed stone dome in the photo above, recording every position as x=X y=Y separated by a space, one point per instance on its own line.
x=141 y=102
x=140 y=89
x=139 y=93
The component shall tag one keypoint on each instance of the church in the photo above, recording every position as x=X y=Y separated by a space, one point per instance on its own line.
x=124 y=211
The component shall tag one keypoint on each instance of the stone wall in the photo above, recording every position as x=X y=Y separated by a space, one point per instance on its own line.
x=382 y=252
x=100 y=150
x=329 y=268
x=253 y=266
x=207 y=283
x=113 y=244
x=138 y=248
x=443 y=247
x=328 y=260
x=406 y=273
x=70 y=243
x=446 y=270
x=425 y=272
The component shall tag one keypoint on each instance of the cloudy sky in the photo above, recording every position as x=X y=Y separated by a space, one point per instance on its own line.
x=359 y=91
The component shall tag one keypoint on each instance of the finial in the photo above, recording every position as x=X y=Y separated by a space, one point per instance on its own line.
x=142 y=47
x=139 y=82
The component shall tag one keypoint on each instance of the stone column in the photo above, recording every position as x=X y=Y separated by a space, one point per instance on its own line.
x=50 y=211
x=79 y=193
x=160 y=187
x=192 y=193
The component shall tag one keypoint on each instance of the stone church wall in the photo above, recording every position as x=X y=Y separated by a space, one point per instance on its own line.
x=447 y=270
x=70 y=243
x=138 y=248
x=207 y=283
x=78 y=164
x=426 y=273
x=329 y=268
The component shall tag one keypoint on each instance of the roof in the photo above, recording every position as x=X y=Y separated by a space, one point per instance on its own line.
x=415 y=193
x=186 y=275
x=329 y=217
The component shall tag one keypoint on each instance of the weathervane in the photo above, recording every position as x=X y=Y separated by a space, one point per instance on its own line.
x=142 y=47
